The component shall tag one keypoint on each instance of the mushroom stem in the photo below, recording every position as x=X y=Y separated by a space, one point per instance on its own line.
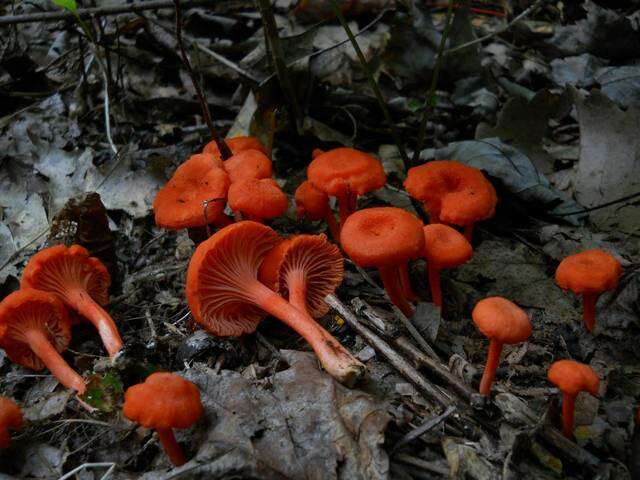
x=589 y=310
x=335 y=359
x=434 y=284
x=493 y=359
x=60 y=369
x=222 y=220
x=568 y=407
x=334 y=228
x=468 y=232
x=297 y=286
x=405 y=283
x=390 y=280
x=82 y=302
x=171 y=447
x=347 y=204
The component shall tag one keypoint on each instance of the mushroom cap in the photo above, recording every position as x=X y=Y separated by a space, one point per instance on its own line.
x=346 y=170
x=572 y=377
x=180 y=203
x=311 y=202
x=28 y=308
x=60 y=268
x=258 y=198
x=164 y=401
x=10 y=418
x=313 y=256
x=248 y=164
x=501 y=320
x=591 y=271
x=218 y=274
x=445 y=247
x=236 y=145
x=452 y=192
x=382 y=236
x=206 y=160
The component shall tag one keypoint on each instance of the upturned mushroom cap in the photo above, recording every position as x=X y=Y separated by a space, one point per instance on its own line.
x=258 y=198
x=29 y=308
x=312 y=255
x=589 y=272
x=163 y=401
x=311 y=202
x=501 y=320
x=346 y=170
x=180 y=203
x=445 y=247
x=248 y=164
x=217 y=276
x=573 y=377
x=382 y=236
x=10 y=418
x=452 y=192
x=236 y=145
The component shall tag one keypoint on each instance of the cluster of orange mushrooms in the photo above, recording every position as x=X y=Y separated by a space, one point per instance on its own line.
x=246 y=271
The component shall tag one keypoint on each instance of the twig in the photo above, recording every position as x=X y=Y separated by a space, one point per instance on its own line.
x=225 y=152
x=598 y=207
x=424 y=428
x=99 y=11
x=395 y=359
x=110 y=465
x=435 y=467
x=430 y=100
x=227 y=63
x=373 y=84
x=277 y=56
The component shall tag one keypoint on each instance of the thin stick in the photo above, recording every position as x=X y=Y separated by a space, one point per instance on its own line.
x=424 y=428
x=225 y=151
x=109 y=465
x=374 y=85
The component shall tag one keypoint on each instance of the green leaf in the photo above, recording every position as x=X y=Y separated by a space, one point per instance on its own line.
x=70 y=5
x=414 y=104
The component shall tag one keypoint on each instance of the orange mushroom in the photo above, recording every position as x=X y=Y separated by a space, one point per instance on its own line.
x=34 y=328
x=572 y=378
x=248 y=164
x=346 y=173
x=163 y=402
x=236 y=145
x=227 y=299
x=257 y=199
x=444 y=247
x=314 y=204
x=452 y=193
x=501 y=321
x=10 y=419
x=80 y=281
x=589 y=273
x=316 y=153
x=304 y=269
x=385 y=238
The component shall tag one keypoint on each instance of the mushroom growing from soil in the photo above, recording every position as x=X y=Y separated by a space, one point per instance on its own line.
x=501 y=321
x=346 y=173
x=163 y=402
x=34 y=328
x=314 y=204
x=572 y=378
x=257 y=199
x=444 y=247
x=236 y=145
x=304 y=269
x=452 y=193
x=227 y=299
x=248 y=164
x=80 y=281
x=385 y=238
x=10 y=419
x=589 y=273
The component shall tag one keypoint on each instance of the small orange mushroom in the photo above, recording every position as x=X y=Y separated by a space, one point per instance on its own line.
x=257 y=199
x=163 y=402
x=80 y=281
x=452 y=193
x=346 y=173
x=385 y=238
x=248 y=164
x=501 y=321
x=236 y=145
x=589 y=273
x=227 y=299
x=444 y=247
x=314 y=204
x=34 y=328
x=572 y=378
x=10 y=419
x=304 y=269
